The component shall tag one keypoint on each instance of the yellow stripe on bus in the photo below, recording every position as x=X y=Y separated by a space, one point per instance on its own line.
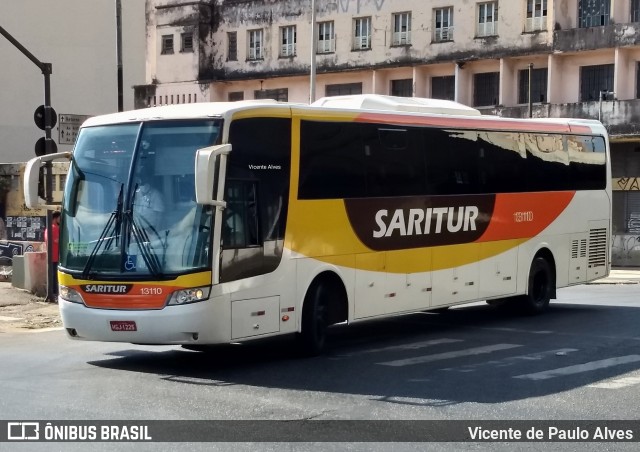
x=190 y=280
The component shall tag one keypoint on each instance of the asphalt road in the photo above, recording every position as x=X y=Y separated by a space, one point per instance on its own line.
x=580 y=361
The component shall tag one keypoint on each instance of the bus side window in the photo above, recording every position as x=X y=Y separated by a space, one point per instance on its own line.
x=240 y=224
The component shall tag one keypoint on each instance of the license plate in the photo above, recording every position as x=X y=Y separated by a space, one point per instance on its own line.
x=123 y=325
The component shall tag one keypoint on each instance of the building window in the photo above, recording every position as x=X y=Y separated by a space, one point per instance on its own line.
x=401 y=29
x=279 y=94
x=402 y=88
x=594 y=79
x=487 y=19
x=326 y=41
x=536 y=15
x=362 y=33
x=635 y=10
x=236 y=96
x=343 y=89
x=443 y=87
x=443 y=28
x=255 y=45
x=538 y=85
x=232 y=46
x=288 y=41
x=593 y=13
x=486 y=87
x=186 y=42
x=167 y=44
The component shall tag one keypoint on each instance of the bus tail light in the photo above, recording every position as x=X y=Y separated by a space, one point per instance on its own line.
x=192 y=295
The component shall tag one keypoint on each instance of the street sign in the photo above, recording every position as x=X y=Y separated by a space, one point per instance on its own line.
x=69 y=126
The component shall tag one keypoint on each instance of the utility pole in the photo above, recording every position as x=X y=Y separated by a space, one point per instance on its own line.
x=530 y=99
x=119 y=53
x=312 y=76
x=49 y=148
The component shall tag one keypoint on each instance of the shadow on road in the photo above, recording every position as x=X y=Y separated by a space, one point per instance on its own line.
x=422 y=359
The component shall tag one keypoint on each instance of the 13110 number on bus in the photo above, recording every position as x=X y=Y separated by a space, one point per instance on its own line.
x=521 y=217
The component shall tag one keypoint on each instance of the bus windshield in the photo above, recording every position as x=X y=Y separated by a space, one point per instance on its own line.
x=129 y=207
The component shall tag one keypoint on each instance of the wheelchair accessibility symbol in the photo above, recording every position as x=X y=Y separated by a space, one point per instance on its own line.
x=130 y=263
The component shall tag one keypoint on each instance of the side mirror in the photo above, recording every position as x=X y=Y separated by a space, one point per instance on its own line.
x=205 y=174
x=32 y=179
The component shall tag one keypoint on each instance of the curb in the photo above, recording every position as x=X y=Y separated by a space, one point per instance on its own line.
x=613 y=282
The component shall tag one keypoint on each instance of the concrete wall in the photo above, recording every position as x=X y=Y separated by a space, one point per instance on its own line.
x=30 y=273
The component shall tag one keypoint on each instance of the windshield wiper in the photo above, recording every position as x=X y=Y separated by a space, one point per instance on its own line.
x=114 y=220
x=142 y=239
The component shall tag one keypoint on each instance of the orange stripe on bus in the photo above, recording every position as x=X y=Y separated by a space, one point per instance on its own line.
x=524 y=215
x=131 y=300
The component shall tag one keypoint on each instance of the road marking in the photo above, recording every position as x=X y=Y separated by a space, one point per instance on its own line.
x=516 y=330
x=510 y=361
x=617 y=383
x=449 y=355
x=579 y=368
x=411 y=346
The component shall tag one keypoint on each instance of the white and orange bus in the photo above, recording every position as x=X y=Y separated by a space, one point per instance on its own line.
x=223 y=222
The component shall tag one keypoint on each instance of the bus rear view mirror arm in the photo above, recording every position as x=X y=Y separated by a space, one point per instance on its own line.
x=31 y=178
x=205 y=174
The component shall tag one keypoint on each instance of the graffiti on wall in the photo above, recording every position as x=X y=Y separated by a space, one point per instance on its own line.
x=346 y=5
x=10 y=249
x=625 y=250
x=626 y=183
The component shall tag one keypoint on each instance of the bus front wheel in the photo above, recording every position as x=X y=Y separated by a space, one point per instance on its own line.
x=540 y=288
x=315 y=320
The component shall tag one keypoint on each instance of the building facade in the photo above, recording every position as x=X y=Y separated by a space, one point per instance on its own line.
x=516 y=58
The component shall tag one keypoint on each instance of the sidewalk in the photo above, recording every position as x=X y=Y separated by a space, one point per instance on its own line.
x=23 y=311
x=621 y=275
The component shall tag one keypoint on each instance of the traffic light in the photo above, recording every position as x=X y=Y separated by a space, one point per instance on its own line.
x=45 y=145
x=41 y=146
x=39 y=117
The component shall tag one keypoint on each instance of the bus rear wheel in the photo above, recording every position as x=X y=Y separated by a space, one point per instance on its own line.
x=315 y=320
x=540 y=288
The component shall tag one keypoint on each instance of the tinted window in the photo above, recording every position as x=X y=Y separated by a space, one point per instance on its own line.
x=261 y=154
x=352 y=160
x=587 y=162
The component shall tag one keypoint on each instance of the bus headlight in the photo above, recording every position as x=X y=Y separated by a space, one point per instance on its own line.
x=192 y=295
x=69 y=294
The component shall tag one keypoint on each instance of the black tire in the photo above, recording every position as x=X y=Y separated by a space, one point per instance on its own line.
x=540 y=287
x=315 y=320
